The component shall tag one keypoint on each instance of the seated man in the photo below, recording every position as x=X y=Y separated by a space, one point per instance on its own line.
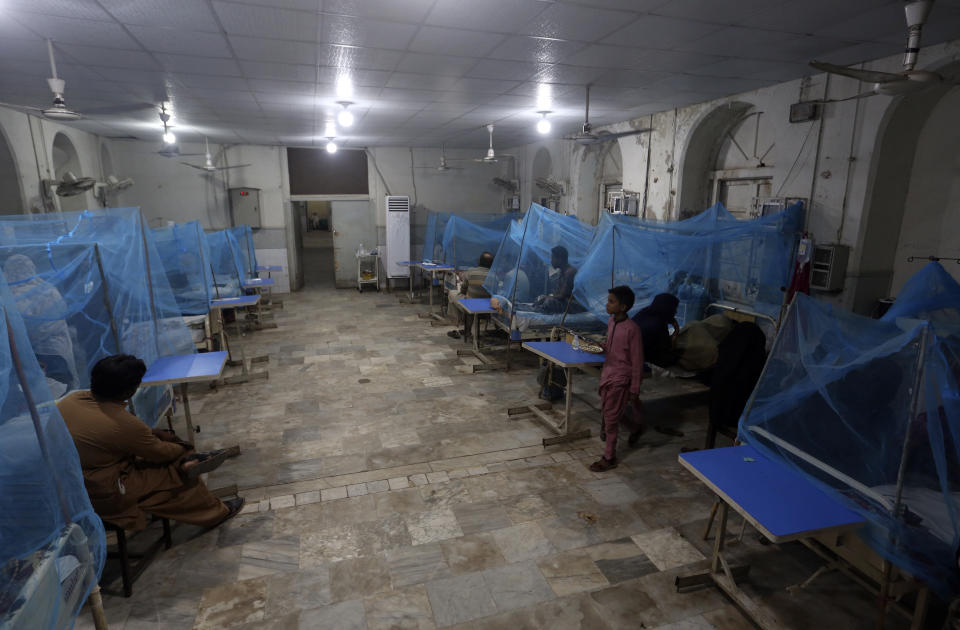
x=130 y=470
x=472 y=287
x=562 y=290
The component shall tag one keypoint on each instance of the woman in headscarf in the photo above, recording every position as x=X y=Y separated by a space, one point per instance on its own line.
x=654 y=322
x=44 y=311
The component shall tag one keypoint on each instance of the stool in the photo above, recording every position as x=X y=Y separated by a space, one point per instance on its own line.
x=128 y=571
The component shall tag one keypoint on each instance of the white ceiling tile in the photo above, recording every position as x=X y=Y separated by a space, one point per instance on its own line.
x=497 y=86
x=451 y=41
x=515 y=100
x=73 y=31
x=266 y=91
x=653 y=31
x=570 y=22
x=275 y=50
x=534 y=49
x=504 y=16
x=212 y=81
x=177 y=41
x=630 y=78
x=866 y=26
x=109 y=57
x=302 y=5
x=279 y=71
x=242 y=19
x=406 y=11
x=501 y=69
x=338 y=29
x=856 y=53
x=420 y=81
x=199 y=65
x=447 y=65
x=755 y=69
x=569 y=75
x=812 y=15
x=350 y=58
x=466 y=98
x=25 y=49
x=185 y=14
x=83 y=9
x=408 y=96
x=729 y=12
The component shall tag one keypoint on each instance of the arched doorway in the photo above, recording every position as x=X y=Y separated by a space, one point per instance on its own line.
x=11 y=200
x=714 y=164
x=914 y=190
x=65 y=159
x=544 y=191
x=610 y=178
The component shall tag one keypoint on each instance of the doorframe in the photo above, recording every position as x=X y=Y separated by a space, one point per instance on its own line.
x=305 y=198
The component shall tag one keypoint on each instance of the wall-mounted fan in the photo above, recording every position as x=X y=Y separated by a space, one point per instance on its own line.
x=587 y=136
x=549 y=186
x=894 y=83
x=208 y=166
x=70 y=185
x=59 y=110
x=111 y=184
x=510 y=185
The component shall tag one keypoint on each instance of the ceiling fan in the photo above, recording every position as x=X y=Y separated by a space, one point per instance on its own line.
x=443 y=166
x=491 y=156
x=894 y=83
x=587 y=137
x=208 y=166
x=170 y=148
x=59 y=110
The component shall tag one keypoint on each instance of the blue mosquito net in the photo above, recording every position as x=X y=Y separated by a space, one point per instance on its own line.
x=870 y=411
x=521 y=270
x=226 y=263
x=186 y=259
x=464 y=241
x=433 y=247
x=931 y=294
x=125 y=266
x=712 y=257
x=243 y=235
x=52 y=545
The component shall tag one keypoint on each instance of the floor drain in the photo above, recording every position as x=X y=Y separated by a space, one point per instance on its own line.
x=364 y=380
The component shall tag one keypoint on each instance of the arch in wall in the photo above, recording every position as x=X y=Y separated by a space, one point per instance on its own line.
x=610 y=174
x=905 y=158
x=700 y=155
x=11 y=198
x=66 y=159
x=542 y=169
x=587 y=184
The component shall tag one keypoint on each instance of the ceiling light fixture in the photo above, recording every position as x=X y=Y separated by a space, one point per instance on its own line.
x=169 y=138
x=331 y=146
x=544 y=96
x=345 y=117
x=344 y=87
x=543 y=125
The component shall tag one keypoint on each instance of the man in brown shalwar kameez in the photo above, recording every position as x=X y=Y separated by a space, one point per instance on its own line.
x=130 y=470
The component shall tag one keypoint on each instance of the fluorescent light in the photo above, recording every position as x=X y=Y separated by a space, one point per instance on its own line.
x=344 y=87
x=331 y=147
x=544 y=96
x=169 y=138
x=345 y=117
x=543 y=125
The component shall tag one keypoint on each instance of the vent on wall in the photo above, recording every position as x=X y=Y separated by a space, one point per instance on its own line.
x=396 y=203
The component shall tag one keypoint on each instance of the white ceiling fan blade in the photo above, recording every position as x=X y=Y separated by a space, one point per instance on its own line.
x=867 y=76
x=22 y=107
x=224 y=168
x=199 y=168
x=118 y=109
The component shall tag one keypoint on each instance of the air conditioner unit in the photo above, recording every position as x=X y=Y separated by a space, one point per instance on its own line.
x=828 y=267
x=398 y=236
x=764 y=206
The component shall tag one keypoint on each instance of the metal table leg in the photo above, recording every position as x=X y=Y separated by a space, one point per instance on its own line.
x=188 y=418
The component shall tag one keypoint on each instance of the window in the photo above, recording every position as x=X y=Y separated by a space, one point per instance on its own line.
x=316 y=172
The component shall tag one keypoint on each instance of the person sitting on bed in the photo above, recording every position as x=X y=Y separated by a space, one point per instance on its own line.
x=654 y=322
x=130 y=470
x=472 y=287
x=562 y=290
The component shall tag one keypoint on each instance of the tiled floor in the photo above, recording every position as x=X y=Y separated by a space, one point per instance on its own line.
x=387 y=488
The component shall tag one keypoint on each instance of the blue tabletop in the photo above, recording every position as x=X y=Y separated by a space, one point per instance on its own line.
x=269 y=268
x=183 y=368
x=235 y=302
x=563 y=354
x=436 y=267
x=252 y=283
x=783 y=503
x=476 y=305
x=408 y=263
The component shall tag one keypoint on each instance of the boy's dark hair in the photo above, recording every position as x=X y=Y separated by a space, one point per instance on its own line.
x=116 y=377
x=624 y=295
x=560 y=252
x=486 y=260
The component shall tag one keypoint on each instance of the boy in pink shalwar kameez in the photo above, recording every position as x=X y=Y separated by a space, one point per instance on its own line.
x=621 y=376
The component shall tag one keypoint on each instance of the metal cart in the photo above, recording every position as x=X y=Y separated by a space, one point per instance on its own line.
x=368 y=271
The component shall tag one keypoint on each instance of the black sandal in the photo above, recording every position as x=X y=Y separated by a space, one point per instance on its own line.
x=206 y=462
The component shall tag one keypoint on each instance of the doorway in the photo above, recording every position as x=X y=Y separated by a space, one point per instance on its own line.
x=316 y=242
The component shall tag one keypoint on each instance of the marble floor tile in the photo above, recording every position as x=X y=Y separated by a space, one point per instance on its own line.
x=525 y=541
x=623 y=569
x=246 y=528
x=232 y=605
x=468 y=554
x=667 y=549
x=295 y=590
x=460 y=598
x=445 y=494
x=354 y=541
x=570 y=531
x=528 y=508
x=269 y=556
x=343 y=616
x=417 y=564
x=517 y=585
x=400 y=609
x=399 y=501
x=571 y=572
x=481 y=517
x=431 y=526
x=359 y=577
x=569 y=613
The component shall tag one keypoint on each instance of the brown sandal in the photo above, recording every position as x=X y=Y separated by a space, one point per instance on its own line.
x=603 y=465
